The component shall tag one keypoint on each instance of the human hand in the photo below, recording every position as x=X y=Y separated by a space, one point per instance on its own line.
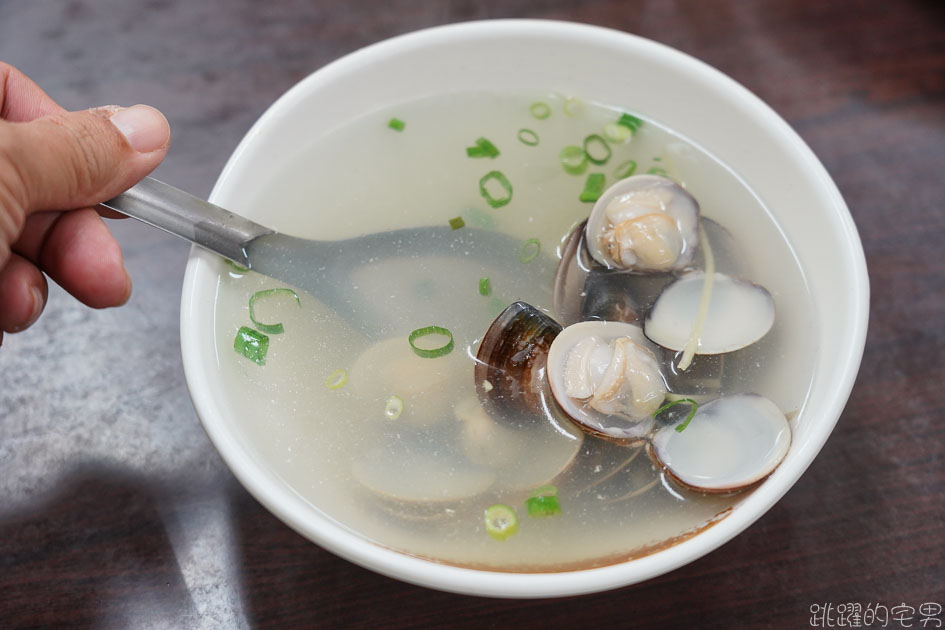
x=55 y=166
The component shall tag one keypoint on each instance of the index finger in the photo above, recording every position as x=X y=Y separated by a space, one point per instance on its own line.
x=21 y=100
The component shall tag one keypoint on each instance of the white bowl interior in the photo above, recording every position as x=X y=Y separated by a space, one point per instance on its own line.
x=675 y=89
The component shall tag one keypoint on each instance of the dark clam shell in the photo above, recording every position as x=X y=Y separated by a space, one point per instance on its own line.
x=510 y=363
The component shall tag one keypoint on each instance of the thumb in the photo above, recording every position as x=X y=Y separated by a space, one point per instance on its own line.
x=77 y=159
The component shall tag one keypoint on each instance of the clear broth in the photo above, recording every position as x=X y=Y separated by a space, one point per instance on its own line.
x=366 y=177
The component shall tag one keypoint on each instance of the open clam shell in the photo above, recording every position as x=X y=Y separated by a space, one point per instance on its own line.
x=525 y=457
x=619 y=427
x=739 y=314
x=644 y=223
x=730 y=444
x=417 y=483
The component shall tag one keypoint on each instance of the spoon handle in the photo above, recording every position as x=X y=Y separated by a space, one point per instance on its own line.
x=189 y=217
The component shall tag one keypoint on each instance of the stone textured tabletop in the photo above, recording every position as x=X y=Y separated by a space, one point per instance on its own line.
x=116 y=511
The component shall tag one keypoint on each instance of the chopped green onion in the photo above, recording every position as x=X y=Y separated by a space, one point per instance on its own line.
x=573 y=106
x=236 y=266
x=485 y=286
x=617 y=133
x=595 y=144
x=251 y=344
x=272 y=329
x=692 y=412
x=483 y=148
x=336 y=379
x=396 y=124
x=527 y=136
x=593 y=187
x=540 y=110
x=543 y=501
x=457 y=222
x=529 y=251
x=630 y=122
x=625 y=169
x=657 y=170
x=501 y=180
x=394 y=407
x=501 y=521
x=573 y=159
x=431 y=353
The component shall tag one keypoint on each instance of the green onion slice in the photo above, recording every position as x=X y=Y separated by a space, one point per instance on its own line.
x=485 y=286
x=692 y=412
x=617 y=133
x=630 y=122
x=236 y=266
x=529 y=251
x=457 y=222
x=396 y=124
x=573 y=159
x=593 y=187
x=543 y=501
x=543 y=506
x=597 y=149
x=573 y=106
x=336 y=379
x=394 y=407
x=500 y=180
x=540 y=110
x=252 y=344
x=431 y=353
x=501 y=521
x=625 y=169
x=657 y=170
x=483 y=148
x=272 y=329
x=527 y=136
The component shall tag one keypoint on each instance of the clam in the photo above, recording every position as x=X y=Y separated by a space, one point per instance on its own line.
x=527 y=457
x=510 y=362
x=737 y=314
x=644 y=223
x=416 y=483
x=586 y=289
x=730 y=444
x=391 y=367
x=604 y=375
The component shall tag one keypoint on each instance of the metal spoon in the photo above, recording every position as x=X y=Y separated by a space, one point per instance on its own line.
x=322 y=268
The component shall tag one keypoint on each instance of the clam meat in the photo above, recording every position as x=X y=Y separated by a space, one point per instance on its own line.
x=644 y=223
x=605 y=376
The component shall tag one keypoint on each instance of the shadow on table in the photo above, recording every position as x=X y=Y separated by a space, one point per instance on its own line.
x=92 y=553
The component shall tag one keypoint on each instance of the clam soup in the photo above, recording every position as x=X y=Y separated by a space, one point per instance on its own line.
x=360 y=409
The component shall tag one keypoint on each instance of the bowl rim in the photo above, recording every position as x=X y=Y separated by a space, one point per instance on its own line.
x=282 y=501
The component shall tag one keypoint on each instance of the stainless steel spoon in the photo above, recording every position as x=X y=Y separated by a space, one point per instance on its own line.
x=322 y=268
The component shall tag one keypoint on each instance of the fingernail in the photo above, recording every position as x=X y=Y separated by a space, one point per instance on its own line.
x=39 y=301
x=145 y=127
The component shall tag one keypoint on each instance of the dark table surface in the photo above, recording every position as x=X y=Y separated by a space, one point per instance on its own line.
x=116 y=511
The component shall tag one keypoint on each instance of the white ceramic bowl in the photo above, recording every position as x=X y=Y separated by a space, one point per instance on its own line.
x=675 y=89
